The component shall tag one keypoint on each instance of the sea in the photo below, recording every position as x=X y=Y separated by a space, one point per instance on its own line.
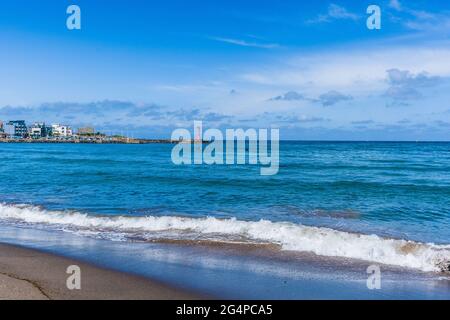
x=310 y=231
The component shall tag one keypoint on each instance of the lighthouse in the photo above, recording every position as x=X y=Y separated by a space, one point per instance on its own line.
x=198 y=132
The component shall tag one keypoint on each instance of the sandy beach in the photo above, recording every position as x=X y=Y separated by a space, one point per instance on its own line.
x=144 y=270
x=33 y=275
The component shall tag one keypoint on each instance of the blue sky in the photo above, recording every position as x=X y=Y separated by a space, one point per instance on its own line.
x=313 y=70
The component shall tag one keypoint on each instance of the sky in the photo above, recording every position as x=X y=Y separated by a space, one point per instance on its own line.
x=312 y=69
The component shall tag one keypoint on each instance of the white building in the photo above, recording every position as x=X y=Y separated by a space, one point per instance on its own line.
x=61 y=131
x=36 y=132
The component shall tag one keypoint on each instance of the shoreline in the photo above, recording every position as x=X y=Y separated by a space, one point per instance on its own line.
x=224 y=272
x=79 y=141
x=421 y=256
x=30 y=274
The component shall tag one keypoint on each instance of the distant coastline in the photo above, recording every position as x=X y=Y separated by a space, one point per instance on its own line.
x=17 y=131
x=91 y=141
x=105 y=140
x=124 y=140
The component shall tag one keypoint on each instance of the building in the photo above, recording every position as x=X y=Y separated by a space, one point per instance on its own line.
x=48 y=131
x=3 y=134
x=86 y=131
x=35 y=132
x=20 y=129
x=39 y=130
x=61 y=130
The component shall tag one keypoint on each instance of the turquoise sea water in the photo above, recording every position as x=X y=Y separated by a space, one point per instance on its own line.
x=392 y=190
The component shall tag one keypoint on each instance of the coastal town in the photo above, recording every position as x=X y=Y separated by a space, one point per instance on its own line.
x=17 y=131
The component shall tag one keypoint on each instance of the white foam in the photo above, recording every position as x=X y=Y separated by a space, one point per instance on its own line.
x=321 y=241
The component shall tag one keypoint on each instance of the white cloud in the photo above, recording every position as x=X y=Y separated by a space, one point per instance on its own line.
x=333 y=97
x=335 y=12
x=405 y=86
x=244 y=43
x=395 y=4
x=289 y=96
x=354 y=71
x=338 y=12
x=429 y=23
x=421 y=20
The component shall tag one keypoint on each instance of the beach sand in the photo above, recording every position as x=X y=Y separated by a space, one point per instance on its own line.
x=27 y=274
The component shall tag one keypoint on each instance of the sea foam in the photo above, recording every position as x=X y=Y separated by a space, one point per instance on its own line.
x=289 y=236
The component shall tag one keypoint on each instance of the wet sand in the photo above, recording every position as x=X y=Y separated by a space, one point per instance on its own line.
x=224 y=271
x=27 y=274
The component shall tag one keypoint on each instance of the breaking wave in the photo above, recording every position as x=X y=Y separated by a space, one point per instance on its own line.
x=289 y=236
